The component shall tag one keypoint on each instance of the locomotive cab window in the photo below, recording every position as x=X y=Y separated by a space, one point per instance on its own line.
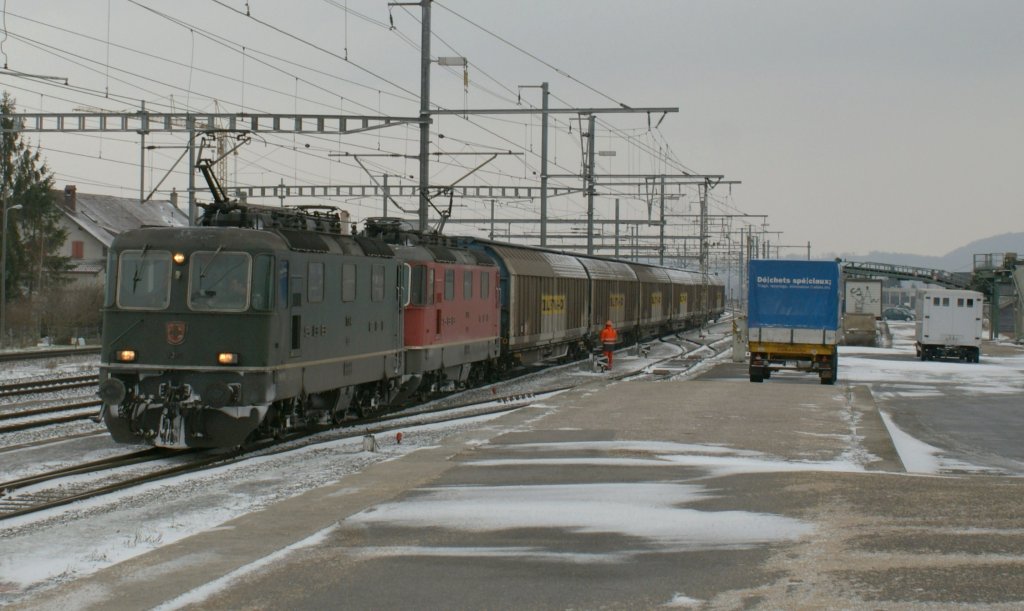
x=282 y=282
x=467 y=285
x=405 y=282
x=219 y=281
x=144 y=279
x=485 y=281
x=263 y=282
x=418 y=289
x=422 y=285
x=110 y=286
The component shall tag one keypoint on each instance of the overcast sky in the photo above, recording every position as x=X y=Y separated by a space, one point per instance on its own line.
x=856 y=126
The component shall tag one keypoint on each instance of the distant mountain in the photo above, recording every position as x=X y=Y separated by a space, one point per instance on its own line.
x=959 y=260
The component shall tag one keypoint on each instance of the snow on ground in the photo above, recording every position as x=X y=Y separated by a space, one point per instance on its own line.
x=897 y=372
x=653 y=512
x=39 y=553
x=992 y=376
x=58 y=366
x=201 y=593
x=39 y=369
x=109 y=529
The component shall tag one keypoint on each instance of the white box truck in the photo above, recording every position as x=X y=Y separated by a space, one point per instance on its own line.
x=949 y=324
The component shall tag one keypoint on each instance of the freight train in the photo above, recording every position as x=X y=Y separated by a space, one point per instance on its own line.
x=259 y=321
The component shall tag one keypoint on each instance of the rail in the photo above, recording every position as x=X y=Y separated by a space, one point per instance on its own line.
x=48 y=385
x=27 y=355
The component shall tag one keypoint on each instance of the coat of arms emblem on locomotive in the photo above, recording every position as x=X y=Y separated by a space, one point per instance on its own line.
x=175 y=333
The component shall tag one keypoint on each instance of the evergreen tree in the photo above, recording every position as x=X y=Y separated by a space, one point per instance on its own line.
x=34 y=234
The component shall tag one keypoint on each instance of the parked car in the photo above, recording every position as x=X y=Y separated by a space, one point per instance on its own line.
x=897 y=313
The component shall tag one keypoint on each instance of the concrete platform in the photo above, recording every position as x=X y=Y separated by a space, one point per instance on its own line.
x=706 y=493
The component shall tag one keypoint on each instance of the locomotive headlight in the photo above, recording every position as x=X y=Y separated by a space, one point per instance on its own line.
x=227 y=358
x=126 y=356
x=179 y=257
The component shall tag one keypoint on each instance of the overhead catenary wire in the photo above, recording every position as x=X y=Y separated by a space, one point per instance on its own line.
x=528 y=54
x=487 y=125
x=192 y=32
x=251 y=51
x=314 y=46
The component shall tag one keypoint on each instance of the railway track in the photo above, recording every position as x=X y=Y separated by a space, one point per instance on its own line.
x=43 y=411
x=47 y=385
x=66 y=486
x=676 y=365
x=32 y=494
x=45 y=354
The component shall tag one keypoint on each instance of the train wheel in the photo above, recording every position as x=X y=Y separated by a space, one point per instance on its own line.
x=273 y=425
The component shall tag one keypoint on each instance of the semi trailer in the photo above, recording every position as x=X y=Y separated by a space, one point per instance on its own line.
x=793 y=317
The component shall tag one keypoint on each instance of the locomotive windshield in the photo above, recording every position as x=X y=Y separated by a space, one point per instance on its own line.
x=144 y=279
x=219 y=281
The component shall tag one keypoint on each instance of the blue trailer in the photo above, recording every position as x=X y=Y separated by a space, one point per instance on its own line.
x=793 y=317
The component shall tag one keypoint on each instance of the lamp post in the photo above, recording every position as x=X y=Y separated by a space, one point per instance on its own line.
x=3 y=271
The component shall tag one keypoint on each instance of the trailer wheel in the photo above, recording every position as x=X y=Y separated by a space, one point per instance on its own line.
x=766 y=373
x=976 y=356
x=755 y=375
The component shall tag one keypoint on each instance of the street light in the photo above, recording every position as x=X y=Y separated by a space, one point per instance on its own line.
x=3 y=271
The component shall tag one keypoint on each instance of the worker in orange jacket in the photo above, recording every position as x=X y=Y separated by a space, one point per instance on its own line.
x=609 y=337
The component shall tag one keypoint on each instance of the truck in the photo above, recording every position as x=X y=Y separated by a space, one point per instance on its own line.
x=863 y=296
x=948 y=324
x=862 y=307
x=793 y=317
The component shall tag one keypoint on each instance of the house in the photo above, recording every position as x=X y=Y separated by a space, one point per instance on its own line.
x=93 y=221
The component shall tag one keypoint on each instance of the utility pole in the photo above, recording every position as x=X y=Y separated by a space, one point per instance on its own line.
x=742 y=263
x=387 y=194
x=544 y=166
x=190 y=125
x=142 y=156
x=543 y=161
x=661 y=226
x=424 y=114
x=590 y=185
x=705 y=281
x=616 y=228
